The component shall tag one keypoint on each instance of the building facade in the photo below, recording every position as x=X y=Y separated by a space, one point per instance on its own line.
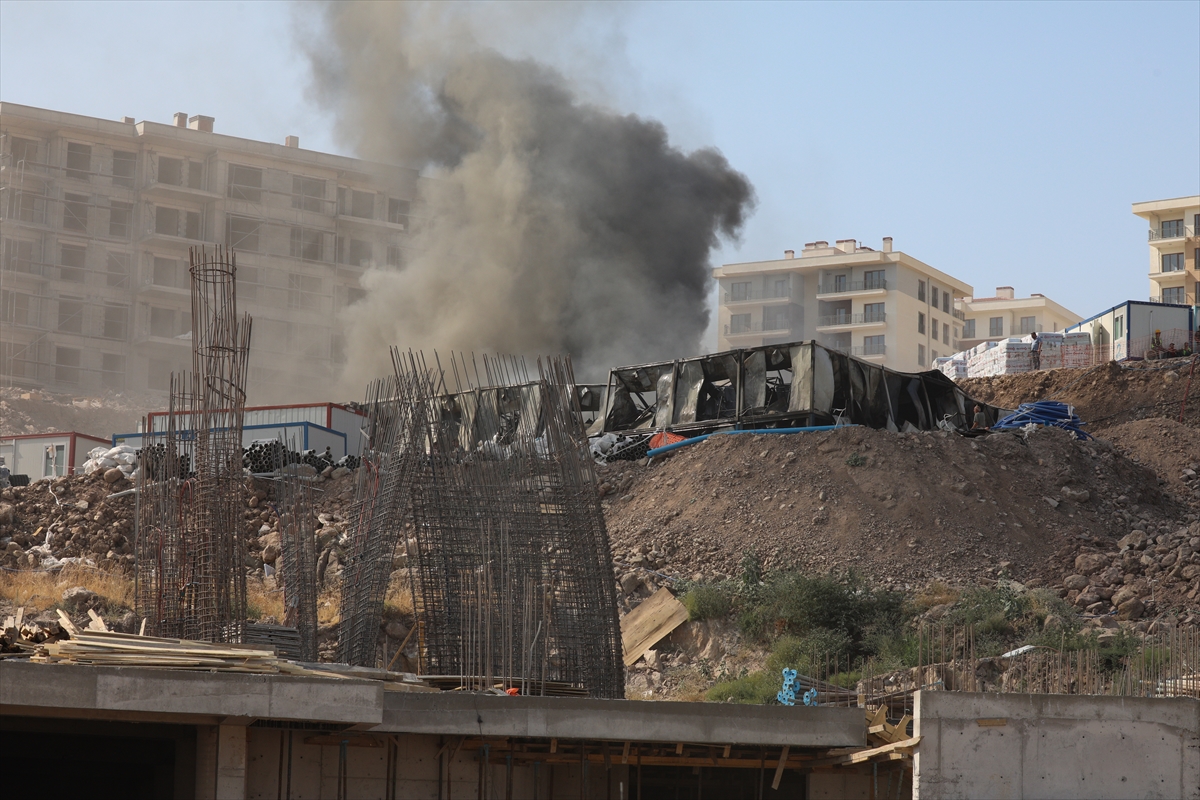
x=96 y=221
x=1174 y=249
x=881 y=305
x=1005 y=315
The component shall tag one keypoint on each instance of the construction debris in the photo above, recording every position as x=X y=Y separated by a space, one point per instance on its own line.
x=650 y=623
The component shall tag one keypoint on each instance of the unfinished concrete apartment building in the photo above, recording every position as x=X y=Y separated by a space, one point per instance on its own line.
x=97 y=217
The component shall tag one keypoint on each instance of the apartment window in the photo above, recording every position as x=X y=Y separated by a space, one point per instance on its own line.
x=356 y=204
x=841 y=283
x=348 y=295
x=1172 y=228
x=739 y=323
x=1028 y=325
x=1118 y=328
x=739 y=291
x=28 y=207
x=24 y=150
x=75 y=212
x=946 y=302
x=72 y=260
x=66 y=370
x=166 y=221
x=357 y=252
x=16 y=308
x=117 y=270
x=775 y=319
x=70 y=315
x=782 y=289
x=873 y=345
x=1174 y=294
x=245 y=183
x=304 y=292
x=398 y=211
x=956 y=334
x=18 y=255
x=874 y=279
x=112 y=375
x=946 y=334
x=873 y=312
x=167 y=323
x=921 y=355
x=921 y=291
x=120 y=219
x=241 y=233
x=306 y=244
x=124 y=167
x=933 y=354
x=116 y=322
x=308 y=194
x=933 y=329
x=1172 y=262
x=995 y=326
x=394 y=256
x=920 y=322
x=170 y=170
x=933 y=297
x=79 y=161
x=171 y=273
x=195 y=174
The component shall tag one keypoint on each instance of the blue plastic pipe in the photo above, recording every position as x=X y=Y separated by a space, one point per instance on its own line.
x=666 y=448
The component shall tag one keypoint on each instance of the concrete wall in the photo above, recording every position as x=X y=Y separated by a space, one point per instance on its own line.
x=983 y=746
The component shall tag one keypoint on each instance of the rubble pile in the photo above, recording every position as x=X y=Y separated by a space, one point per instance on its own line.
x=31 y=411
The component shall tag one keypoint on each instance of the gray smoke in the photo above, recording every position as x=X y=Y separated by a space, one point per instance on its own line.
x=551 y=224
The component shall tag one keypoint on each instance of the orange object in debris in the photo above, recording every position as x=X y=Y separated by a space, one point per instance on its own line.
x=513 y=692
x=663 y=438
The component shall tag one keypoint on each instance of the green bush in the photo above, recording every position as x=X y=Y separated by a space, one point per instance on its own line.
x=708 y=601
x=756 y=688
x=855 y=460
x=805 y=653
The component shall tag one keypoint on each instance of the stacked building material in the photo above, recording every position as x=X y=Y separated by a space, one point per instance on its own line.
x=1007 y=357
x=953 y=367
x=1077 y=350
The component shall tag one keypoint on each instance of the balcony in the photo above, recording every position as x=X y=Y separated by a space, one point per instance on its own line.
x=1167 y=232
x=851 y=287
x=755 y=296
x=867 y=351
x=756 y=328
x=1171 y=300
x=959 y=315
x=848 y=320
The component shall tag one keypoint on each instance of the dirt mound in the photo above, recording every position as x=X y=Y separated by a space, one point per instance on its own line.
x=1167 y=447
x=23 y=411
x=1104 y=395
x=903 y=509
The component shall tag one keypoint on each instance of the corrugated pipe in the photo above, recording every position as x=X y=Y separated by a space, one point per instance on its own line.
x=666 y=448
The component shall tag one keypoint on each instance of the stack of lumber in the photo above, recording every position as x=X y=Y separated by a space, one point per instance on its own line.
x=107 y=648
x=447 y=683
x=19 y=637
x=285 y=641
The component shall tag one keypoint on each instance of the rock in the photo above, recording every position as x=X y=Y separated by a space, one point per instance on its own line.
x=339 y=472
x=1105 y=622
x=1090 y=563
x=1087 y=599
x=1190 y=572
x=113 y=475
x=78 y=597
x=8 y=513
x=1075 y=495
x=630 y=582
x=1053 y=622
x=1053 y=503
x=1131 y=609
x=270 y=553
x=1135 y=540
x=653 y=661
x=396 y=630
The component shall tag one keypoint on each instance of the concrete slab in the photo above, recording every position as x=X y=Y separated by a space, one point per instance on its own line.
x=165 y=695
x=459 y=713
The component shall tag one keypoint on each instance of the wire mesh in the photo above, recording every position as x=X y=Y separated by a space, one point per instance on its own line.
x=296 y=565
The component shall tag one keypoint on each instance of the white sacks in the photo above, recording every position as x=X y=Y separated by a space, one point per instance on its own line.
x=101 y=459
x=1008 y=357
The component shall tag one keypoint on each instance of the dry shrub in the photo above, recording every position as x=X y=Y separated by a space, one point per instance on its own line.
x=40 y=591
x=398 y=602
x=935 y=594
x=262 y=601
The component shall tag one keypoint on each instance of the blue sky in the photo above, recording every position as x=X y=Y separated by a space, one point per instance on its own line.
x=1002 y=143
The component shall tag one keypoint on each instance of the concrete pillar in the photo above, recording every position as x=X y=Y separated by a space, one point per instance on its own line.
x=221 y=762
x=231 y=762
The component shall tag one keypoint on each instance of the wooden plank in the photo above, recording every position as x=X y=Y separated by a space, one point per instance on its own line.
x=779 y=769
x=97 y=623
x=861 y=756
x=142 y=630
x=20 y=617
x=625 y=754
x=65 y=621
x=650 y=623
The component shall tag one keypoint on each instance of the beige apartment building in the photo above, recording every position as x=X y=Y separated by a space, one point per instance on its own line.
x=1174 y=249
x=881 y=305
x=96 y=220
x=994 y=318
